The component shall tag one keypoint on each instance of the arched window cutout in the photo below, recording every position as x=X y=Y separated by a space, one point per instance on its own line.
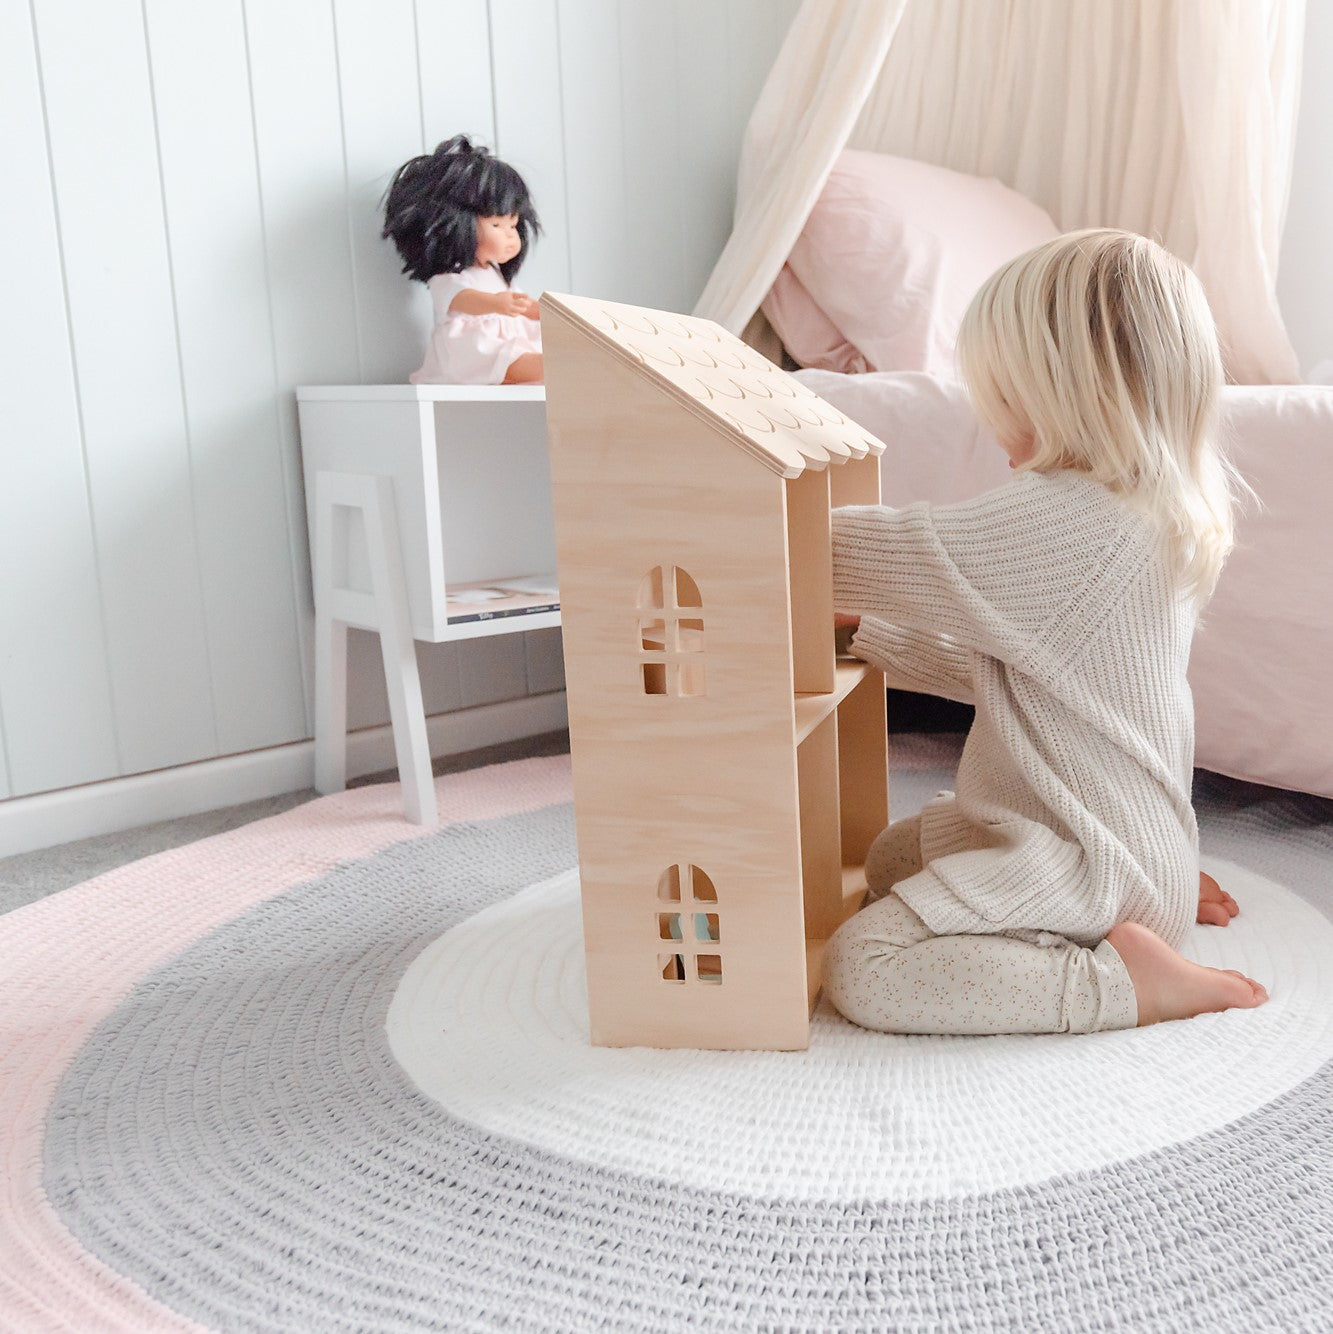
x=671 y=632
x=687 y=889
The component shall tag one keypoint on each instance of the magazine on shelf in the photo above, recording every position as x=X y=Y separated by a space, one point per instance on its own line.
x=523 y=595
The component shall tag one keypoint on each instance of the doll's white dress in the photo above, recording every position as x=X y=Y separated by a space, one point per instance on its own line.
x=473 y=349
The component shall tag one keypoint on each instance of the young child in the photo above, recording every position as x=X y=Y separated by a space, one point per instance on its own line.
x=1051 y=892
x=462 y=221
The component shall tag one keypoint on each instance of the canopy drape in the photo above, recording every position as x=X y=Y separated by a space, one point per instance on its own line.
x=1171 y=118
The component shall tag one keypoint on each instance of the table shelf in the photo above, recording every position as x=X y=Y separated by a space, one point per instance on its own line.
x=414 y=494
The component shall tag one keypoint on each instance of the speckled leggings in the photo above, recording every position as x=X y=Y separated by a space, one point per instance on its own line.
x=884 y=968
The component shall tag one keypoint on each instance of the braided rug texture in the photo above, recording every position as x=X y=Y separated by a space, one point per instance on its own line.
x=234 y=1146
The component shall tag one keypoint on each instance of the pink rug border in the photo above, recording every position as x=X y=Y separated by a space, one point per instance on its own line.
x=68 y=960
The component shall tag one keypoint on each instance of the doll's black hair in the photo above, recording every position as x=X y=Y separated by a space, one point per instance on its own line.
x=433 y=203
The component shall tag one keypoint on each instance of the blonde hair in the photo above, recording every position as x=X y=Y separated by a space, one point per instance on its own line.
x=1100 y=347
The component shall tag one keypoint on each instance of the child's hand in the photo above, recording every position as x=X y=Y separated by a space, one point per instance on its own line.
x=531 y=309
x=513 y=303
x=844 y=627
x=1216 y=907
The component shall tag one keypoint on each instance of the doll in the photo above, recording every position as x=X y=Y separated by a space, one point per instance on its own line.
x=462 y=221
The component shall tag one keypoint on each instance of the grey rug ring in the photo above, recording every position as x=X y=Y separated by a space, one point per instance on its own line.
x=364 y=1105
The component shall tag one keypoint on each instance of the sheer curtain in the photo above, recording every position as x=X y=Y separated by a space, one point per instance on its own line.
x=1173 y=118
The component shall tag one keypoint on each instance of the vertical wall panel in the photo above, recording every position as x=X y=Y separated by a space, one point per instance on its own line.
x=108 y=196
x=526 y=46
x=492 y=669
x=297 y=126
x=600 y=262
x=546 y=660
x=525 y=56
x=453 y=62
x=211 y=190
x=754 y=33
x=53 y=661
x=6 y=788
x=454 y=70
x=381 y=108
x=657 y=192
x=709 y=141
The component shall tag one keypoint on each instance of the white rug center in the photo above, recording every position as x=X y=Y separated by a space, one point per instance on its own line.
x=491 y=1021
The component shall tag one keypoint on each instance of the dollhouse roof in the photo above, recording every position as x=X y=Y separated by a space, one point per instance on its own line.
x=714 y=375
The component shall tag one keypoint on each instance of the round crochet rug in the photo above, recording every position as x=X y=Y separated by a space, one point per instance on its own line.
x=331 y=1073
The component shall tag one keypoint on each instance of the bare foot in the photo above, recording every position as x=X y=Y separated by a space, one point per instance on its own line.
x=1216 y=906
x=1169 y=986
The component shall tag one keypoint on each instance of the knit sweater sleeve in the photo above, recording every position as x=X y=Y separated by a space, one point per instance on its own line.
x=915 y=659
x=892 y=564
x=1019 y=573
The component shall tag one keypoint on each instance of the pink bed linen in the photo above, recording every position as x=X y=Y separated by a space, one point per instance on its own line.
x=1262 y=665
x=889 y=259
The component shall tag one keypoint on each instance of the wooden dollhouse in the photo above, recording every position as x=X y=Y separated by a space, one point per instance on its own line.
x=729 y=772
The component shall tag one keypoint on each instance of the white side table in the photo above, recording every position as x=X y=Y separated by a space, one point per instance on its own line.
x=416 y=496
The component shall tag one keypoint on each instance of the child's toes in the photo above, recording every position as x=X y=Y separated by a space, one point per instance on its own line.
x=1260 y=991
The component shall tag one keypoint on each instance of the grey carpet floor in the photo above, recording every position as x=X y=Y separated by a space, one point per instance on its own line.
x=30 y=876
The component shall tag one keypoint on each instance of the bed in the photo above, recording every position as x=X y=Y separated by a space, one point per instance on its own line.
x=1262 y=665
x=868 y=305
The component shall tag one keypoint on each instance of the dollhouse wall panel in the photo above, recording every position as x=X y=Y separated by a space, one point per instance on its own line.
x=641 y=483
x=810 y=555
x=726 y=804
x=746 y=673
x=863 y=779
x=821 y=850
x=759 y=946
x=742 y=653
x=855 y=482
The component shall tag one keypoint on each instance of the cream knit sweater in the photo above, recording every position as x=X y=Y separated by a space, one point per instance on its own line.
x=1049 y=604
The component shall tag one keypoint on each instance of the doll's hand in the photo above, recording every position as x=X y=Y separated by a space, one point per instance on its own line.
x=1216 y=906
x=512 y=303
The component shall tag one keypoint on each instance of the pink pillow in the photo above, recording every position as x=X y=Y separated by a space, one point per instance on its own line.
x=810 y=337
x=890 y=258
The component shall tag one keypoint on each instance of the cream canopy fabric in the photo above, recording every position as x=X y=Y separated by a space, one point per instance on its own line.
x=1172 y=118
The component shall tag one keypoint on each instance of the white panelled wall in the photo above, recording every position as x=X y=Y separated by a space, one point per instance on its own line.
x=192 y=230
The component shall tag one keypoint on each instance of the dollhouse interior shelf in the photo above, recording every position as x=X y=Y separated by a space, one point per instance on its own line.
x=418 y=496
x=813 y=708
